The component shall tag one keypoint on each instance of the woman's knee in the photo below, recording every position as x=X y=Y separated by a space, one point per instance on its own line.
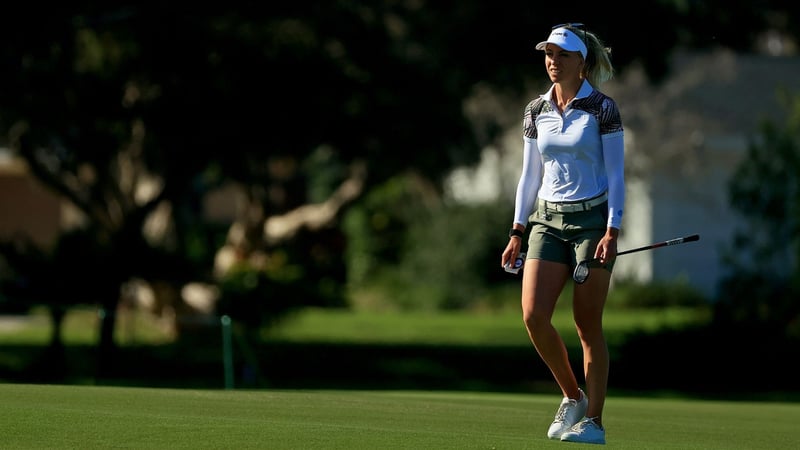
x=535 y=323
x=590 y=331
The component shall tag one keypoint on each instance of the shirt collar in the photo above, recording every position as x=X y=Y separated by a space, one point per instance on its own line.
x=584 y=91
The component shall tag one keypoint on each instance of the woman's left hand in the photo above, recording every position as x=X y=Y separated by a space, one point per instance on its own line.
x=606 y=250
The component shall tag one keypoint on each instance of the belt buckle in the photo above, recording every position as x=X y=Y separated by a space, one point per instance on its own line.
x=547 y=209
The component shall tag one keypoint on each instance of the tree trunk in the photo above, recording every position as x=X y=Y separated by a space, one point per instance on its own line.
x=106 y=346
x=54 y=362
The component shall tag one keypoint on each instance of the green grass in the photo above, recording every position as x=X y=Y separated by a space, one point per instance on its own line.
x=89 y=417
x=467 y=328
x=81 y=327
x=502 y=327
x=53 y=416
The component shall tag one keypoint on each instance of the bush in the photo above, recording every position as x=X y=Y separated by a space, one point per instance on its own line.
x=423 y=253
x=630 y=294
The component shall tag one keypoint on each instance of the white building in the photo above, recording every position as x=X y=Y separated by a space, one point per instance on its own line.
x=696 y=130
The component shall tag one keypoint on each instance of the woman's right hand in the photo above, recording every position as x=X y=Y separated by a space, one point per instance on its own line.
x=513 y=249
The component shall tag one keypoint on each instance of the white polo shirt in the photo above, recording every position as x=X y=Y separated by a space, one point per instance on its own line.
x=571 y=157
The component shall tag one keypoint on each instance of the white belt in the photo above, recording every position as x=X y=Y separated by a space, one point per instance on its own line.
x=569 y=207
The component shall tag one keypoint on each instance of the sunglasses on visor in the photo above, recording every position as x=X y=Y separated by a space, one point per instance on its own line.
x=576 y=25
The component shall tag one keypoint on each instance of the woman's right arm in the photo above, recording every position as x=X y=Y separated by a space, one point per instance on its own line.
x=527 y=189
x=529 y=181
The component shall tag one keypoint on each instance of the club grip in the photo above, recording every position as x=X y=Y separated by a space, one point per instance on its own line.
x=681 y=240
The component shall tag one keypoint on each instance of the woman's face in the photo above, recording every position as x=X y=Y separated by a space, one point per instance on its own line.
x=562 y=66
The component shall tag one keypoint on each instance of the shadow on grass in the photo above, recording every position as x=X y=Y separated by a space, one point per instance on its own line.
x=700 y=362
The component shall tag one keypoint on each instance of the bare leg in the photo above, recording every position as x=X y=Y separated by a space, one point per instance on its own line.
x=542 y=283
x=588 y=302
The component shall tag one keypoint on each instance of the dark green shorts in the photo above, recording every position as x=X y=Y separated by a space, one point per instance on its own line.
x=567 y=237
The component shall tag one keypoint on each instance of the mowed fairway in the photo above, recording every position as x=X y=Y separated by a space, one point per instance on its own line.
x=88 y=417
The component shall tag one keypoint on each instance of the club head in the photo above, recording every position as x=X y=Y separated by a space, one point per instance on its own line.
x=581 y=272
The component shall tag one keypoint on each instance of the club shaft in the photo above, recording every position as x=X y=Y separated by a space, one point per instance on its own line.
x=581 y=277
x=680 y=240
x=675 y=241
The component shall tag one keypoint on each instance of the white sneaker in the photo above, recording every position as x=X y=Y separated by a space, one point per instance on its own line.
x=569 y=413
x=586 y=431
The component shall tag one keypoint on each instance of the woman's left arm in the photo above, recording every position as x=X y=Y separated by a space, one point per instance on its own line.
x=614 y=158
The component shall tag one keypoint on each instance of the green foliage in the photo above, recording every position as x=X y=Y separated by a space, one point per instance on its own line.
x=760 y=302
x=249 y=297
x=256 y=297
x=65 y=276
x=763 y=282
x=104 y=97
x=375 y=226
x=457 y=249
x=424 y=253
x=100 y=97
x=655 y=295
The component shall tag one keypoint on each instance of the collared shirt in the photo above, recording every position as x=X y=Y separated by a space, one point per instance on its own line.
x=572 y=156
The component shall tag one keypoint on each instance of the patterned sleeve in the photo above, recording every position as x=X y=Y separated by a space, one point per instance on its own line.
x=610 y=119
x=529 y=118
x=613 y=138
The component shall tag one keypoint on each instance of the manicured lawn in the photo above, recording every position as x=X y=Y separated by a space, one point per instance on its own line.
x=340 y=345
x=89 y=417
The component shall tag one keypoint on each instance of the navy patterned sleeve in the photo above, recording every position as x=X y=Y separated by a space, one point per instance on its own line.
x=610 y=119
x=529 y=118
x=604 y=109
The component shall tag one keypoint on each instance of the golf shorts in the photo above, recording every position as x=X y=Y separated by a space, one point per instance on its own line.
x=567 y=237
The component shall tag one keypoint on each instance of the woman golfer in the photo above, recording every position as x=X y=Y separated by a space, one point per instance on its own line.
x=571 y=191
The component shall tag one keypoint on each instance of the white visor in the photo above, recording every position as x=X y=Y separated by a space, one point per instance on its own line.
x=566 y=39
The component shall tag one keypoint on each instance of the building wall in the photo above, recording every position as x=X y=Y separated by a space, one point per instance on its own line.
x=691 y=133
x=671 y=205
x=27 y=208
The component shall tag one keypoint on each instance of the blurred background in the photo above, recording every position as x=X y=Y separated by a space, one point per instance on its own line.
x=169 y=168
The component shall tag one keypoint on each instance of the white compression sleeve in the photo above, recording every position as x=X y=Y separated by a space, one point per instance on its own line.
x=614 y=157
x=529 y=182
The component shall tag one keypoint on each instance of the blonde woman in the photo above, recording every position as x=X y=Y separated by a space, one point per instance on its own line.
x=569 y=202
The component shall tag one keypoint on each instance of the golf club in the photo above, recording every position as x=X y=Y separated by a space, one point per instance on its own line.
x=581 y=272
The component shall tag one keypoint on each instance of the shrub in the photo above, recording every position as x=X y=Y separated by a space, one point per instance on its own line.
x=631 y=294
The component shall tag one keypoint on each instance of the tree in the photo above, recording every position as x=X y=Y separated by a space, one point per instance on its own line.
x=133 y=112
x=763 y=283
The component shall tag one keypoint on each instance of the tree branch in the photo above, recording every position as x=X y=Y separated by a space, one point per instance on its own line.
x=316 y=216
